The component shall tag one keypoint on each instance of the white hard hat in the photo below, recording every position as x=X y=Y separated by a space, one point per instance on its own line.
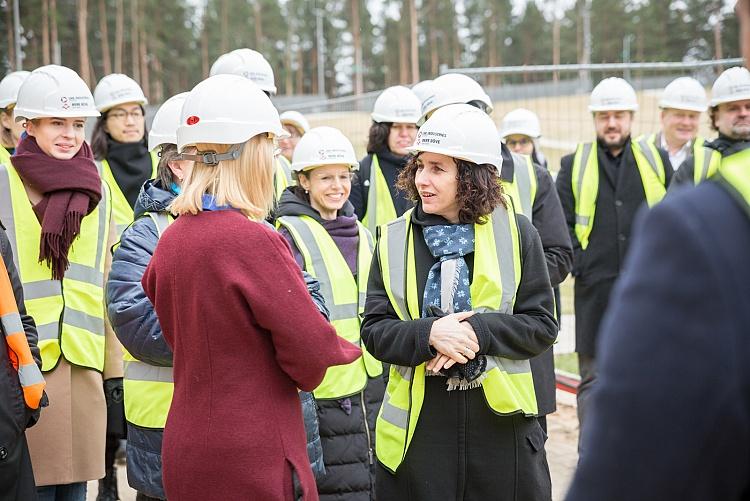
x=296 y=119
x=454 y=88
x=54 y=91
x=613 y=94
x=9 y=86
x=323 y=146
x=520 y=121
x=423 y=90
x=167 y=119
x=226 y=109
x=246 y=63
x=460 y=131
x=732 y=85
x=396 y=104
x=684 y=93
x=116 y=89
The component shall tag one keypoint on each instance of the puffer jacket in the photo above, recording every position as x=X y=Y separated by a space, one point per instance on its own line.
x=134 y=320
x=347 y=425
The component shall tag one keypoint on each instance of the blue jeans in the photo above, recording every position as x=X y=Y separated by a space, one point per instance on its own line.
x=67 y=492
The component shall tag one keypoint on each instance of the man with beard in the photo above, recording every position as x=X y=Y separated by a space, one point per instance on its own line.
x=730 y=116
x=601 y=186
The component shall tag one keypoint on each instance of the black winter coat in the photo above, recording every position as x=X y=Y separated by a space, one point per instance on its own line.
x=461 y=449
x=549 y=220
x=347 y=426
x=595 y=269
x=685 y=174
x=16 y=475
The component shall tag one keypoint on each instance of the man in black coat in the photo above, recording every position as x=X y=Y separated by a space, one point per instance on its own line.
x=16 y=475
x=623 y=187
x=670 y=417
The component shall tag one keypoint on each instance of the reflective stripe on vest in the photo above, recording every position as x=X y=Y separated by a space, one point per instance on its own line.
x=735 y=172
x=380 y=207
x=345 y=298
x=706 y=163
x=585 y=182
x=70 y=313
x=508 y=387
x=123 y=211
x=523 y=187
x=282 y=178
x=148 y=389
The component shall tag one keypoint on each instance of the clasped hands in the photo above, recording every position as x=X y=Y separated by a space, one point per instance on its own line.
x=454 y=340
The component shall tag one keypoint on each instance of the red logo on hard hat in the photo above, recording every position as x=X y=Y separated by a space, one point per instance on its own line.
x=192 y=120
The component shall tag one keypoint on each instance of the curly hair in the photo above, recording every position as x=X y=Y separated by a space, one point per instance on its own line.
x=712 y=112
x=479 y=189
x=378 y=137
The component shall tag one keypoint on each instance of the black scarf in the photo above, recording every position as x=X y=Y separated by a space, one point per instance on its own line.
x=131 y=166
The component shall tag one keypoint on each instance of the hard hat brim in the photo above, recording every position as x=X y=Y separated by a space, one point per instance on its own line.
x=522 y=132
x=741 y=97
x=307 y=166
x=108 y=106
x=223 y=132
x=21 y=114
x=381 y=118
x=593 y=108
x=477 y=159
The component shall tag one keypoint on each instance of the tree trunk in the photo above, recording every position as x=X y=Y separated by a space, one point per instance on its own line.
x=54 y=42
x=224 y=16
x=556 y=46
x=357 y=36
x=119 y=34
x=289 y=60
x=204 y=45
x=143 y=52
x=158 y=80
x=258 y=26
x=718 y=48
x=313 y=74
x=106 y=61
x=11 y=38
x=492 y=56
x=83 y=43
x=403 y=53
x=432 y=16
x=134 y=49
x=414 y=33
x=45 y=32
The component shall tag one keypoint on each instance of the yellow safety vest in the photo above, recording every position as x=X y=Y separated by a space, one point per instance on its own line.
x=345 y=298
x=123 y=211
x=706 y=161
x=69 y=313
x=508 y=386
x=585 y=182
x=735 y=172
x=380 y=207
x=148 y=389
x=282 y=178
x=522 y=189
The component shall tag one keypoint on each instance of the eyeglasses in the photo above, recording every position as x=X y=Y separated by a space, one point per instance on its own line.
x=120 y=115
x=518 y=142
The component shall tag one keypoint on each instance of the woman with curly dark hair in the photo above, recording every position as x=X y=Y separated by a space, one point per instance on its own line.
x=374 y=195
x=458 y=301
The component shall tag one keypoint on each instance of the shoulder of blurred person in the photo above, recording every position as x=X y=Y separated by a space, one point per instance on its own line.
x=669 y=419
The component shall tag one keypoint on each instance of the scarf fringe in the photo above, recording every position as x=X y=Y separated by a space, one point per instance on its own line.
x=51 y=249
x=455 y=383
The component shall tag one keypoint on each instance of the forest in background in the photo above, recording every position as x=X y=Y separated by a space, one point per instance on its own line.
x=169 y=45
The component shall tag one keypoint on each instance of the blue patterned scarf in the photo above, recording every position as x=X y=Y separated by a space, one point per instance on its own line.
x=447 y=289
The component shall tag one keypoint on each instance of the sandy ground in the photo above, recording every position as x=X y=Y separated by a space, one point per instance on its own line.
x=561 y=452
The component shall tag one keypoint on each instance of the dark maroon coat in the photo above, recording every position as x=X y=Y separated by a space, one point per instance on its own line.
x=245 y=334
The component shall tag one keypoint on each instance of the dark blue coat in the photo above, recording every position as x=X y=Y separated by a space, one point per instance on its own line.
x=134 y=320
x=670 y=417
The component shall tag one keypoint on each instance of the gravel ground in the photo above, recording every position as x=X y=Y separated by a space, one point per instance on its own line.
x=562 y=452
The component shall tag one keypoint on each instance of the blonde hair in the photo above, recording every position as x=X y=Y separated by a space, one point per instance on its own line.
x=245 y=184
x=6 y=135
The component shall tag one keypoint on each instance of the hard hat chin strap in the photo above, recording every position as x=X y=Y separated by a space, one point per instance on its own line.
x=213 y=158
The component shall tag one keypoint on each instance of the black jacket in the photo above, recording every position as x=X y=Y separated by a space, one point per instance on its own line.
x=347 y=425
x=390 y=165
x=685 y=174
x=670 y=418
x=16 y=475
x=549 y=220
x=528 y=332
x=621 y=194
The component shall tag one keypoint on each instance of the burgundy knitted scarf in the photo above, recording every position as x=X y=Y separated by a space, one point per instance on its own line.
x=71 y=189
